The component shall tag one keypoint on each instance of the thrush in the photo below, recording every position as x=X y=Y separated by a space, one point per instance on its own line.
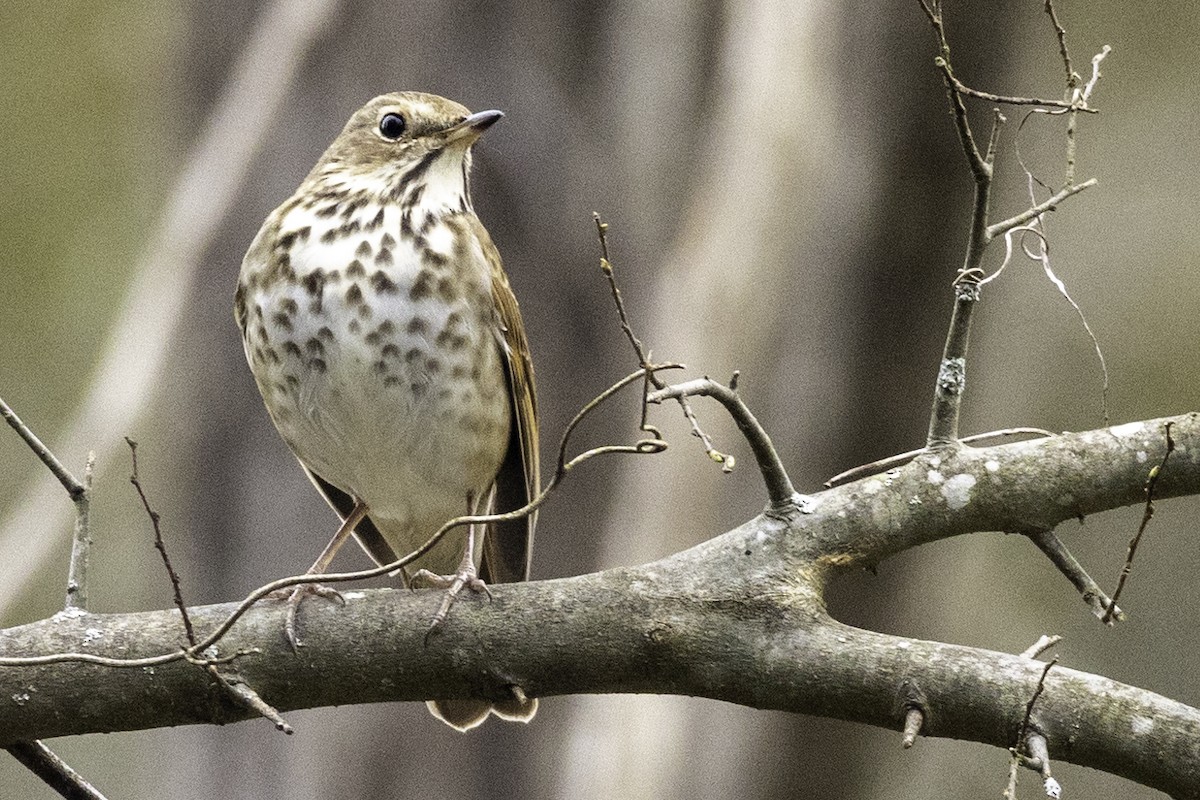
x=389 y=349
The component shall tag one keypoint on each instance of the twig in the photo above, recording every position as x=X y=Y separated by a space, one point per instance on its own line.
x=607 y=268
x=160 y=546
x=55 y=772
x=1043 y=644
x=246 y=696
x=1039 y=759
x=69 y=482
x=779 y=486
x=1010 y=100
x=80 y=496
x=952 y=372
x=1061 y=34
x=1147 y=515
x=914 y=718
x=34 y=754
x=81 y=543
x=1041 y=208
x=951 y=379
x=1021 y=742
x=1037 y=692
x=900 y=459
x=726 y=461
x=1061 y=557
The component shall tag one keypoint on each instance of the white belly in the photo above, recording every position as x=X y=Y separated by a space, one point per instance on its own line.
x=385 y=379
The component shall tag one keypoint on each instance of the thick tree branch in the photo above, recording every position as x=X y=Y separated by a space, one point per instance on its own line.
x=739 y=618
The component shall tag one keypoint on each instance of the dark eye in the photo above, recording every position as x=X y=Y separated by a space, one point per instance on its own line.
x=392 y=126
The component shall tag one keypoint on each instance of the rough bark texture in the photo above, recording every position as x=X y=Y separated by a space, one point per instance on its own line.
x=739 y=618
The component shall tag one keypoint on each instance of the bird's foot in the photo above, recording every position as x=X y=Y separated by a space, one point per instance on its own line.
x=294 y=598
x=466 y=578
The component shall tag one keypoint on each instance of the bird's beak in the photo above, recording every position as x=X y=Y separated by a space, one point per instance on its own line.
x=472 y=127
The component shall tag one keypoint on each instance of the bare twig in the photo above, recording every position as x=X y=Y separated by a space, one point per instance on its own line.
x=1037 y=692
x=726 y=461
x=240 y=691
x=951 y=379
x=914 y=718
x=80 y=494
x=1039 y=752
x=899 y=460
x=1025 y=735
x=35 y=755
x=1043 y=644
x=1147 y=515
x=779 y=486
x=1061 y=34
x=55 y=772
x=69 y=482
x=81 y=543
x=1011 y=100
x=607 y=268
x=1041 y=208
x=1061 y=557
x=160 y=546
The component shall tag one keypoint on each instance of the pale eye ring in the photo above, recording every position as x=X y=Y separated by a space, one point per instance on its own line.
x=392 y=126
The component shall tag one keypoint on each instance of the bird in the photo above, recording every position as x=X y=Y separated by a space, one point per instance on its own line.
x=389 y=349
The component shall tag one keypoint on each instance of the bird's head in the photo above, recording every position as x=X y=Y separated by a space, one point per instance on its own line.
x=412 y=147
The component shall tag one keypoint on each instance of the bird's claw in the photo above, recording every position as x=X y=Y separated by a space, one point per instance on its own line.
x=295 y=598
x=453 y=585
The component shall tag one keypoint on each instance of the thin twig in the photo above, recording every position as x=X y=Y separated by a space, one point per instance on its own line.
x=1011 y=100
x=69 y=482
x=55 y=772
x=240 y=691
x=607 y=268
x=914 y=718
x=951 y=380
x=34 y=754
x=1061 y=34
x=726 y=461
x=980 y=168
x=81 y=543
x=900 y=459
x=1041 y=208
x=1044 y=643
x=1147 y=515
x=1061 y=557
x=1016 y=749
x=160 y=546
x=779 y=486
x=1037 y=692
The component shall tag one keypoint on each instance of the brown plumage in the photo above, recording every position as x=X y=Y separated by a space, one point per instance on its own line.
x=390 y=352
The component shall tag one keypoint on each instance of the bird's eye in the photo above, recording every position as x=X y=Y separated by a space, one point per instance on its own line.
x=392 y=126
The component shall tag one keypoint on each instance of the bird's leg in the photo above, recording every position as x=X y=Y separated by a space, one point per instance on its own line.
x=466 y=576
x=319 y=566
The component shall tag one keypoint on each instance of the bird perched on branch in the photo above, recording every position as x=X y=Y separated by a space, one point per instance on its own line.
x=390 y=352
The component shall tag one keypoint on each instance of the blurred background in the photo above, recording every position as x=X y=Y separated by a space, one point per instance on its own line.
x=786 y=197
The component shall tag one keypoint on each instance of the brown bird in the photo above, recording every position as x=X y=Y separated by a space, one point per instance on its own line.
x=390 y=352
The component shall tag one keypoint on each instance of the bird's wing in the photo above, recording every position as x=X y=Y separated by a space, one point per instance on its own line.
x=508 y=546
